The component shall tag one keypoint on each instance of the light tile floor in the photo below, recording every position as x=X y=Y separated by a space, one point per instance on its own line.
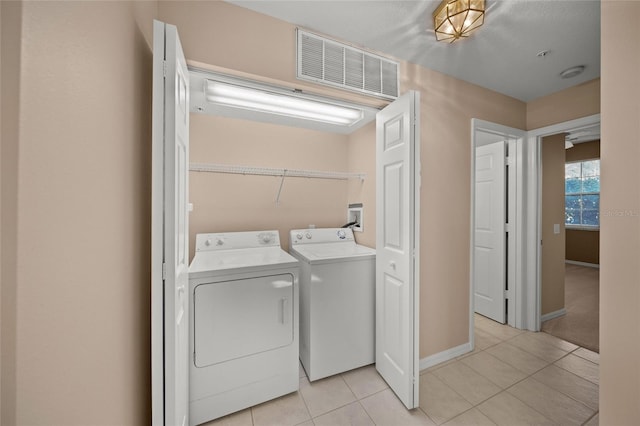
x=513 y=377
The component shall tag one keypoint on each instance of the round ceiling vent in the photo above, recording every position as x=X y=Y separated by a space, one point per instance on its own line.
x=572 y=72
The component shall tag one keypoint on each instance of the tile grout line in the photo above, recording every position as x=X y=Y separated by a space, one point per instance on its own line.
x=506 y=390
x=470 y=354
x=461 y=359
x=584 y=378
x=535 y=409
x=366 y=412
x=457 y=393
x=357 y=399
x=527 y=375
x=591 y=418
x=512 y=366
x=533 y=378
x=568 y=396
x=336 y=408
x=304 y=401
x=586 y=359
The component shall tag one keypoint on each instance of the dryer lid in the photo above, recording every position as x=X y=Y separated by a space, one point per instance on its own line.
x=224 y=260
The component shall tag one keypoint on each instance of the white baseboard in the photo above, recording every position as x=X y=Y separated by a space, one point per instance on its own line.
x=552 y=315
x=589 y=265
x=443 y=356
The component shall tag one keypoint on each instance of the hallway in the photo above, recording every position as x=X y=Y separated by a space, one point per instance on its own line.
x=513 y=377
x=580 y=325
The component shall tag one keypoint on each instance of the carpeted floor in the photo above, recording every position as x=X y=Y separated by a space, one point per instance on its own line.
x=582 y=301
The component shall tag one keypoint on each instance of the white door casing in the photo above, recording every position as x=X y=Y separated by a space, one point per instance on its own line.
x=170 y=229
x=489 y=242
x=532 y=176
x=484 y=133
x=397 y=246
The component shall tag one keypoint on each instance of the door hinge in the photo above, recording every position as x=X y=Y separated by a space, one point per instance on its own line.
x=164 y=271
x=509 y=159
x=164 y=68
x=507 y=294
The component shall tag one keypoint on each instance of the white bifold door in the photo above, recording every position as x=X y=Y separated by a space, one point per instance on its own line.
x=397 y=239
x=170 y=230
x=490 y=236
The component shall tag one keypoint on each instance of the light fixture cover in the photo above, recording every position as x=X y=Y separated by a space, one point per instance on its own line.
x=274 y=101
x=572 y=72
x=455 y=19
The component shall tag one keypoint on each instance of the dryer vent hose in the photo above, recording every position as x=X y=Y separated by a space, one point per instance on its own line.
x=347 y=225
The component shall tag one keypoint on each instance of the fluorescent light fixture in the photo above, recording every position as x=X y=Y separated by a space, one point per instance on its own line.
x=272 y=101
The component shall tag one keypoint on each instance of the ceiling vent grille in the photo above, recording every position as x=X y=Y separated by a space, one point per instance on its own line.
x=335 y=64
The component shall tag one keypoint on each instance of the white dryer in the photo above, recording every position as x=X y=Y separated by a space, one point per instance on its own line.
x=337 y=300
x=243 y=323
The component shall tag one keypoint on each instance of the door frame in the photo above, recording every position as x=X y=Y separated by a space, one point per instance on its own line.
x=533 y=215
x=515 y=138
x=494 y=175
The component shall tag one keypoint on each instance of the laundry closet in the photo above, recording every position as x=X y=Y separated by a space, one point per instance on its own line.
x=267 y=163
x=335 y=159
x=238 y=202
x=253 y=312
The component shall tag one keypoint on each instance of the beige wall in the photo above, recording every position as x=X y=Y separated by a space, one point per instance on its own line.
x=228 y=36
x=553 y=245
x=227 y=203
x=11 y=15
x=447 y=107
x=77 y=268
x=9 y=82
x=583 y=246
x=584 y=151
x=575 y=102
x=361 y=153
x=234 y=38
x=620 y=215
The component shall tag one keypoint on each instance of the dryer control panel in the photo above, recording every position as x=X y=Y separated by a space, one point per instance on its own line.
x=237 y=240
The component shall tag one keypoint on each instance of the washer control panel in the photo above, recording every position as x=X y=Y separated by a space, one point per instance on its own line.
x=321 y=235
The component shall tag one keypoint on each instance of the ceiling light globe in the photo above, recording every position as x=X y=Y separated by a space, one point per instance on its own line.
x=454 y=19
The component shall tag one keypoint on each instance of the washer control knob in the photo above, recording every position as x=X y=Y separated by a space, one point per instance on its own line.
x=266 y=238
x=207 y=243
x=299 y=235
x=342 y=235
x=308 y=235
x=219 y=241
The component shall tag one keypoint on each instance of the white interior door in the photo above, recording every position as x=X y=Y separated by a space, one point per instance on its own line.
x=397 y=244
x=490 y=237
x=170 y=229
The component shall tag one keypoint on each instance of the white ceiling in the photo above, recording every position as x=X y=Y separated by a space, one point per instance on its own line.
x=501 y=55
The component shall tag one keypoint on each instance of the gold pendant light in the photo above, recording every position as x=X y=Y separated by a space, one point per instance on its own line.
x=455 y=19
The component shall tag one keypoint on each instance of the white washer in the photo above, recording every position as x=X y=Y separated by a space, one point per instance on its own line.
x=243 y=323
x=337 y=300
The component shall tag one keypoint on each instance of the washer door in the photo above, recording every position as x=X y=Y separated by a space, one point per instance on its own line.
x=234 y=319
